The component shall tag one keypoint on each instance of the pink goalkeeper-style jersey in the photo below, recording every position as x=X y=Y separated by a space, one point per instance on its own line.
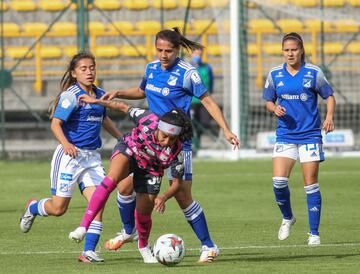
x=142 y=146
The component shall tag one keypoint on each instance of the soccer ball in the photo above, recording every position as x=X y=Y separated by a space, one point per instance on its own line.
x=169 y=249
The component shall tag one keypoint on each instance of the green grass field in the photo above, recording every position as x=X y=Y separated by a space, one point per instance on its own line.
x=242 y=216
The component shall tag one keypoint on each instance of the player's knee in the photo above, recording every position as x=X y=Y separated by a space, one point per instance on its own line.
x=59 y=211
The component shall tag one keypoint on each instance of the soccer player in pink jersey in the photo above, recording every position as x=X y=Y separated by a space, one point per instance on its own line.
x=152 y=146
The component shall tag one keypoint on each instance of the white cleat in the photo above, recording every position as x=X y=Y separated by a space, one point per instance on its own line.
x=284 y=231
x=148 y=255
x=90 y=256
x=27 y=219
x=208 y=254
x=120 y=239
x=78 y=234
x=314 y=240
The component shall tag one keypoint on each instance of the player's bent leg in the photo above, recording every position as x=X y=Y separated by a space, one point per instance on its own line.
x=196 y=218
x=126 y=204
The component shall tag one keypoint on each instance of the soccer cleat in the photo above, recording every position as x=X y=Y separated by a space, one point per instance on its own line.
x=120 y=239
x=90 y=256
x=148 y=255
x=208 y=254
x=284 y=231
x=27 y=219
x=78 y=234
x=313 y=240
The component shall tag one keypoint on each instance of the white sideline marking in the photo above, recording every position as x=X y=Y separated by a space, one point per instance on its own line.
x=191 y=249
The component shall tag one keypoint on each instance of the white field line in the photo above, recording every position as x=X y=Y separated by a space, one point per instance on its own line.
x=190 y=249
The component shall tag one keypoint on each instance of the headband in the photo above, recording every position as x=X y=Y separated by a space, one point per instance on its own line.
x=169 y=128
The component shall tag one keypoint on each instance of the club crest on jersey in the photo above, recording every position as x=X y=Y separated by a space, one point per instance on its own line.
x=172 y=80
x=165 y=91
x=307 y=83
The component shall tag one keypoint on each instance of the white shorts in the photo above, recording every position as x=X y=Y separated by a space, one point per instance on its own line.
x=304 y=152
x=85 y=170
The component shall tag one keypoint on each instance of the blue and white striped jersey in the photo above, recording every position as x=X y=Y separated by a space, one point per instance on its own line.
x=82 y=122
x=298 y=94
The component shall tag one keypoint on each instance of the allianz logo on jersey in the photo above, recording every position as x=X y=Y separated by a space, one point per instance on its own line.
x=92 y=118
x=302 y=96
x=164 y=91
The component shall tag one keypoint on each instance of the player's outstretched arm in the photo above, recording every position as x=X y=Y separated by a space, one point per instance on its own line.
x=113 y=104
x=170 y=192
x=130 y=94
x=215 y=112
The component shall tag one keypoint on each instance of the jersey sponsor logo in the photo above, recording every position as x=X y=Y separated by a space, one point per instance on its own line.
x=307 y=83
x=303 y=97
x=281 y=84
x=196 y=77
x=66 y=176
x=92 y=118
x=165 y=91
x=153 y=88
x=172 y=80
x=290 y=96
x=65 y=104
x=151 y=76
x=150 y=152
x=279 y=75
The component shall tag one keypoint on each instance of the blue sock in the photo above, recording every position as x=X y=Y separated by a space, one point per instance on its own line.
x=196 y=218
x=38 y=208
x=93 y=235
x=126 y=206
x=282 y=196
x=313 y=197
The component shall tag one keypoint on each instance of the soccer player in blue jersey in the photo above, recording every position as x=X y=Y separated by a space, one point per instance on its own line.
x=291 y=93
x=75 y=161
x=169 y=83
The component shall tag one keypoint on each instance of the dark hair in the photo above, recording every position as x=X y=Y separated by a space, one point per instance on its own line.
x=178 y=117
x=68 y=80
x=177 y=39
x=295 y=36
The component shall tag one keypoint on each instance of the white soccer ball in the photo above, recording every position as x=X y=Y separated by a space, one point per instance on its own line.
x=169 y=249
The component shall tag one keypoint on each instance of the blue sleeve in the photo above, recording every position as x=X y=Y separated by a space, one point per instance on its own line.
x=322 y=85
x=144 y=80
x=269 y=92
x=66 y=105
x=137 y=113
x=194 y=84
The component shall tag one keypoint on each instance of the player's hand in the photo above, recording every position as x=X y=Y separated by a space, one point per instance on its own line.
x=232 y=139
x=160 y=204
x=70 y=149
x=110 y=95
x=279 y=110
x=328 y=125
x=87 y=99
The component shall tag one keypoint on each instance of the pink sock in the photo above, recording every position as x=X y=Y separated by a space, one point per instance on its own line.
x=143 y=226
x=97 y=201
